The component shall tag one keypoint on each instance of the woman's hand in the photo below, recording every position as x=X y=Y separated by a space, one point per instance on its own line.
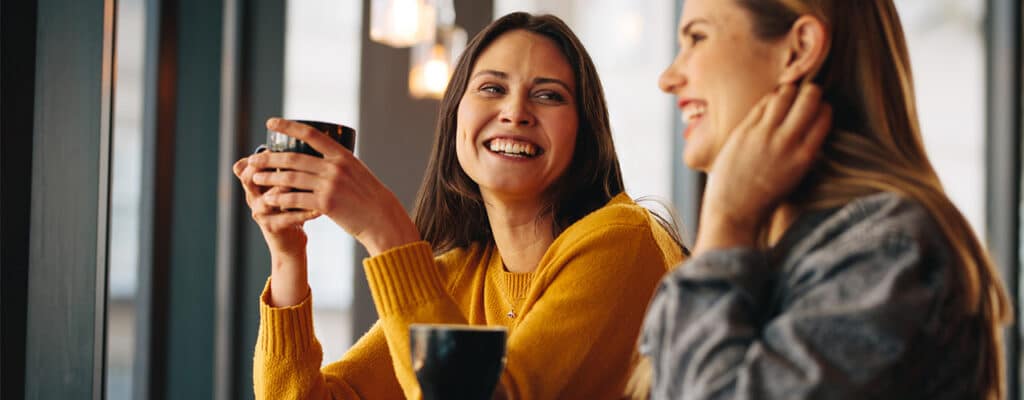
x=282 y=230
x=339 y=186
x=763 y=159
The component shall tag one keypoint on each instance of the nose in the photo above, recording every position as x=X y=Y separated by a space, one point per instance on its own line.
x=672 y=78
x=516 y=111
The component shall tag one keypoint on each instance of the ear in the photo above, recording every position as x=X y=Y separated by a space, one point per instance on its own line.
x=806 y=45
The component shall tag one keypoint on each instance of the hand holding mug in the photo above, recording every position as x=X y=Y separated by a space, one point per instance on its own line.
x=282 y=227
x=338 y=185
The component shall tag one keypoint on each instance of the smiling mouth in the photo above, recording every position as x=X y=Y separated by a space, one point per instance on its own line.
x=693 y=112
x=513 y=148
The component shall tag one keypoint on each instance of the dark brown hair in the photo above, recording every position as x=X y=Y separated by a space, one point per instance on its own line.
x=449 y=210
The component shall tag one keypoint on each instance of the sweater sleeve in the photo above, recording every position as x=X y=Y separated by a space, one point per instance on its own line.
x=288 y=357
x=407 y=288
x=579 y=335
x=836 y=324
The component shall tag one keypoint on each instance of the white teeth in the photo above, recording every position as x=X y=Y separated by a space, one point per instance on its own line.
x=513 y=147
x=693 y=111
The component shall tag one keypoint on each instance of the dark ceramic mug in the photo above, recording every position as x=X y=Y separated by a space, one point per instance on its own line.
x=457 y=361
x=277 y=141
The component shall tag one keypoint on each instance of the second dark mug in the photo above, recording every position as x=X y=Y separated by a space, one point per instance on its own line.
x=457 y=361
x=277 y=141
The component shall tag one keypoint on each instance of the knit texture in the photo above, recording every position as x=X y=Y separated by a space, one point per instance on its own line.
x=573 y=322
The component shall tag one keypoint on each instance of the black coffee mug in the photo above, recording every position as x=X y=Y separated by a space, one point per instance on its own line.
x=277 y=141
x=457 y=361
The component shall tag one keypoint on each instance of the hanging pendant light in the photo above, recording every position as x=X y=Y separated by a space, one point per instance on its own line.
x=402 y=23
x=432 y=61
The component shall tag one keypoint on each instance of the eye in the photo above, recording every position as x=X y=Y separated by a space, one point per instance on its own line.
x=695 y=38
x=491 y=89
x=550 y=96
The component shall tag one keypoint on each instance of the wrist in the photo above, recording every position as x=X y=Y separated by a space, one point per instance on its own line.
x=381 y=243
x=722 y=231
x=400 y=231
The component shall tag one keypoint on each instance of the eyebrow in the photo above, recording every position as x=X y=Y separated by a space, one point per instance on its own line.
x=689 y=25
x=536 y=81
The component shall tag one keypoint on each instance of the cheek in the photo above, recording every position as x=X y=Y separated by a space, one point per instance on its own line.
x=463 y=140
x=564 y=136
x=464 y=148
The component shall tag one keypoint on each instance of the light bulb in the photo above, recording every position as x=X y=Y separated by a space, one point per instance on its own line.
x=435 y=77
x=402 y=23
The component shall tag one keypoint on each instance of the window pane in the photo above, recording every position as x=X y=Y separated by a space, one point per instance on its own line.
x=126 y=184
x=322 y=50
x=947 y=54
x=630 y=43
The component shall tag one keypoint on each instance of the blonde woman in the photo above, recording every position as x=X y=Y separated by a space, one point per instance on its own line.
x=829 y=262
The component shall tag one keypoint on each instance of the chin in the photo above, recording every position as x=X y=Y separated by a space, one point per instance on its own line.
x=696 y=161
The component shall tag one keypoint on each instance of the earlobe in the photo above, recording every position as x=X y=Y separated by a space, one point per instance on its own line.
x=807 y=45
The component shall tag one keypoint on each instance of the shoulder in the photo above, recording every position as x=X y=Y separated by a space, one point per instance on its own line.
x=620 y=214
x=889 y=211
x=616 y=241
x=623 y=227
x=870 y=241
x=455 y=261
x=879 y=219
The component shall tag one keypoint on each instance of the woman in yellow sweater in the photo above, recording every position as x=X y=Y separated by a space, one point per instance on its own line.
x=523 y=206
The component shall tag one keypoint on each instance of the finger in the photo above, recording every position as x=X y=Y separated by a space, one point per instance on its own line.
x=239 y=170
x=754 y=116
x=251 y=187
x=804 y=112
x=239 y=166
x=293 y=200
x=287 y=220
x=261 y=207
x=287 y=160
x=779 y=105
x=818 y=131
x=316 y=139
x=291 y=179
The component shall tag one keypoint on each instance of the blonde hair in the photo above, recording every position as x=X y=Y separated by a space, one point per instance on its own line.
x=876 y=146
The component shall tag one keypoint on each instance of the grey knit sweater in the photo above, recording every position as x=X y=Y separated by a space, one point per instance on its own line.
x=851 y=304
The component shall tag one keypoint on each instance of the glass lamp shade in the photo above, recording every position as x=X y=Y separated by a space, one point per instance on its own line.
x=402 y=23
x=432 y=63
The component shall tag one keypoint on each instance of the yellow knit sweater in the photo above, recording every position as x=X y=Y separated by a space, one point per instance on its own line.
x=572 y=323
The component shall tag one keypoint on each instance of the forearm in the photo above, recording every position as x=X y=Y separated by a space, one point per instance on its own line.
x=289 y=281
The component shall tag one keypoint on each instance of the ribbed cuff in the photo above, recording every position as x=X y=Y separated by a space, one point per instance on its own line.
x=285 y=331
x=403 y=277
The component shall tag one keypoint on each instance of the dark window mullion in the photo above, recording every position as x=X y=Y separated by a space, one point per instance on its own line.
x=1003 y=163
x=70 y=169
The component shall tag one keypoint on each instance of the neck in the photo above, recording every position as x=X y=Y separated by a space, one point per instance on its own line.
x=521 y=236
